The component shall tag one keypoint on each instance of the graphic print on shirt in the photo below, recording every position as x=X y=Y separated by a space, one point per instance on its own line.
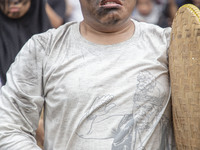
x=148 y=102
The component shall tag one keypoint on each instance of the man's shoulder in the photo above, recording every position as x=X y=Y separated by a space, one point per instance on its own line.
x=152 y=27
x=62 y=29
x=152 y=30
x=53 y=34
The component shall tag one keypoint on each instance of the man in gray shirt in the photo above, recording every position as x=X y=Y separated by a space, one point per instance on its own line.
x=103 y=83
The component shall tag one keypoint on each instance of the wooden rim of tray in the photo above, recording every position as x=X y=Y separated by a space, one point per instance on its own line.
x=184 y=69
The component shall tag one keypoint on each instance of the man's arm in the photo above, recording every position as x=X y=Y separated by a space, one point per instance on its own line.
x=21 y=99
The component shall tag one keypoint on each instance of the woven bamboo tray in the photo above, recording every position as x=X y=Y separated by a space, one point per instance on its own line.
x=184 y=67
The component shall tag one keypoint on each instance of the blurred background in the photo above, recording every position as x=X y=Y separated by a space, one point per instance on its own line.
x=159 y=12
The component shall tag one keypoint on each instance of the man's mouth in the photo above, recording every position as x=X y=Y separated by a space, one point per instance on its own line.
x=110 y=4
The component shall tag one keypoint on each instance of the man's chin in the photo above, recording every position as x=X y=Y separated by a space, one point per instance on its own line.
x=110 y=22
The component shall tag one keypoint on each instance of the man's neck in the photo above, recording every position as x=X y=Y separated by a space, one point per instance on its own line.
x=120 y=34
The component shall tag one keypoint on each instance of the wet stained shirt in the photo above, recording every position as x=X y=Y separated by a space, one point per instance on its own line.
x=102 y=97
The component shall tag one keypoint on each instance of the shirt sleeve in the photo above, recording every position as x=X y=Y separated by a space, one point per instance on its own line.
x=167 y=33
x=21 y=99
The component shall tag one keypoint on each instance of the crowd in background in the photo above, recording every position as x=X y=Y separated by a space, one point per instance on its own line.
x=159 y=12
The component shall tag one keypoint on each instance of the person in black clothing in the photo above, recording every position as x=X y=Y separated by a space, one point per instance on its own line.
x=20 y=19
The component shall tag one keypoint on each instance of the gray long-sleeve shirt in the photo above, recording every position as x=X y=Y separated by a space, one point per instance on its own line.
x=102 y=97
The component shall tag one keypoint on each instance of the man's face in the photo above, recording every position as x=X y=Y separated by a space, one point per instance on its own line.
x=15 y=8
x=107 y=12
